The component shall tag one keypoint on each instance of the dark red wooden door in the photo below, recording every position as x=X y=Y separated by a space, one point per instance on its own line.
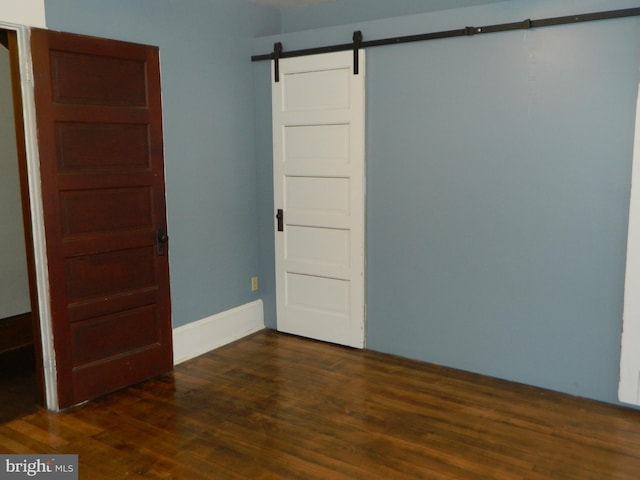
x=98 y=111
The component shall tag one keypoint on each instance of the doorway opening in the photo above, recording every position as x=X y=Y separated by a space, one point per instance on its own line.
x=21 y=384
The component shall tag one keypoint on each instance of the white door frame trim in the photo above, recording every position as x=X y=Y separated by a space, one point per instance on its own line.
x=37 y=216
x=629 y=386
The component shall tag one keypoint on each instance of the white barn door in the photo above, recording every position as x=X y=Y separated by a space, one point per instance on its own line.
x=318 y=154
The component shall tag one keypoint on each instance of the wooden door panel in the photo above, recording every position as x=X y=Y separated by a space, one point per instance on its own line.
x=86 y=310
x=101 y=337
x=87 y=79
x=102 y=146
x=95 y=379
x=88 y=211
x=100 y=142
x=95 y=211
x=106 y=274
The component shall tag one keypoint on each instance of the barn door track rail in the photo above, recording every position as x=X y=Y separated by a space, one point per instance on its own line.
x=358 y=42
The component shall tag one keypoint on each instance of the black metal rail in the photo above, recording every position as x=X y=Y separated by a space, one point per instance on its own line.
x=466 y=31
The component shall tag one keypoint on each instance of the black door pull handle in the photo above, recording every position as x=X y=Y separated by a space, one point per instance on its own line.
x=280 y=217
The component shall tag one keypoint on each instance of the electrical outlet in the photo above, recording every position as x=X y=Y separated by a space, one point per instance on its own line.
x=254 y=284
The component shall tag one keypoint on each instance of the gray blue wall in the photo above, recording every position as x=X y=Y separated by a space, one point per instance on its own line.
x=14 y=284
x=350 y=11
x=498 y=173
x=498 y=180
x=207 y=83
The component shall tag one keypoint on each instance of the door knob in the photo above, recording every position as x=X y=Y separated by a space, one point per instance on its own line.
x=161 y=241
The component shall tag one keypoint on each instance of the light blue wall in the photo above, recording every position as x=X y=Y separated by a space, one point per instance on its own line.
x=498 y=174
x=351 y=11
x=498 y=179
x=207 y=85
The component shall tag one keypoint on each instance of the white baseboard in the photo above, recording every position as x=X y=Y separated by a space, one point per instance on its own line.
x=204 y=335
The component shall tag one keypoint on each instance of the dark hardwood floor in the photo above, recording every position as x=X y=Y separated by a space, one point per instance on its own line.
x=276 y=406
x=18 y=389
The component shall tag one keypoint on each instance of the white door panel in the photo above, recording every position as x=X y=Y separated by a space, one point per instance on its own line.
x=319 y=220
x=315 y=89
x=317 y=144
x=317 y=195
x=317 y=293
x=318 y=245
x=318 y=136
x=316 y=170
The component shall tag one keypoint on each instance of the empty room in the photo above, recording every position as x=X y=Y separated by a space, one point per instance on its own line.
x=320 y=239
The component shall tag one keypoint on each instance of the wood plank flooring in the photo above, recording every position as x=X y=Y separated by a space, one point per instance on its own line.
x=273 y=406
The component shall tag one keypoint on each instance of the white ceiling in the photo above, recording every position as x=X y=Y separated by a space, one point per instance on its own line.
x=290 y=3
